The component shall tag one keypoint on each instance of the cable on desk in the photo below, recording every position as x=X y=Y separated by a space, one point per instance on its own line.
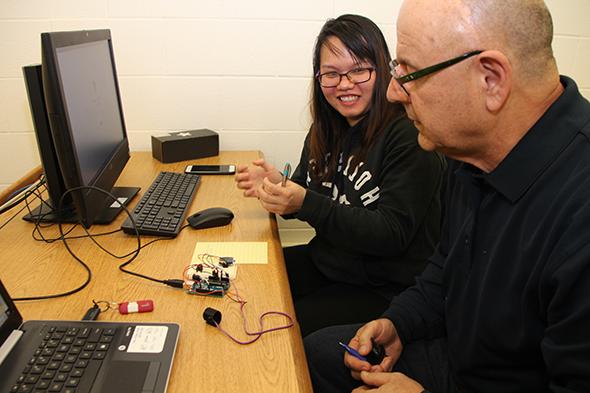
x=12 y=217
x=27 y=190
x=10 y=204
x=40 y=225
x=84 y=265
x=133 y=254
x=213 y=316
x=177 y=283
x=257 y=334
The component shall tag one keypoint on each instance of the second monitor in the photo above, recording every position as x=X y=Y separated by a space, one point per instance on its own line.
x=79 y=124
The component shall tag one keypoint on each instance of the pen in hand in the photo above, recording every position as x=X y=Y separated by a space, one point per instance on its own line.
x=375 y=356
x=286 y=173
x=353 y=352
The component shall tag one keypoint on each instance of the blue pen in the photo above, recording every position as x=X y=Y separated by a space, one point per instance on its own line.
x=286 y=173
x=353 y=352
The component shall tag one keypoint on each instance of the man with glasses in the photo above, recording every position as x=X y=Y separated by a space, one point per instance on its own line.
x=504 y=304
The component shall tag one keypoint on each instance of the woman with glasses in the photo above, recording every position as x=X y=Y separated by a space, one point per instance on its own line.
x=363 y=184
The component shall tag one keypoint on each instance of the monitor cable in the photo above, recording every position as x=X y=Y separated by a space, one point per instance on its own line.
x=12 y=202
x=176 y=283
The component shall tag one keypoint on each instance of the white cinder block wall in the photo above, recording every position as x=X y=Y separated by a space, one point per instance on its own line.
x=240 y=67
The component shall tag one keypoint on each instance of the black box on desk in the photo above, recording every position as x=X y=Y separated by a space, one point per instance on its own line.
x=185 y=145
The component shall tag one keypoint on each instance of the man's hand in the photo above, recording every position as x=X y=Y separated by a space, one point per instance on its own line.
x=388 y=382
x=382 y=332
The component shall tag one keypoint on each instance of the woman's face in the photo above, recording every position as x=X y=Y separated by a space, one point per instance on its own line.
x=350 y=100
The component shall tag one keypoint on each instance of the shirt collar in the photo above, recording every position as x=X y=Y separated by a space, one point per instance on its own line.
x=542 y=144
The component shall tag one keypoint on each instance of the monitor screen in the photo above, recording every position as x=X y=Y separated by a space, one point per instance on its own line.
x=92 y=104
x=85 y=121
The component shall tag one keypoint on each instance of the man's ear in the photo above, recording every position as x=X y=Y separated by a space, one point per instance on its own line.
x=497 y=78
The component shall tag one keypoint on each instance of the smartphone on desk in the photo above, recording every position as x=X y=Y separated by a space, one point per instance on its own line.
x=210 y=169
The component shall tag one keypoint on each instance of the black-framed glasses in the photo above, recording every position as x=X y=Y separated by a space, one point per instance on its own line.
x=356 y=76
x=402 y=79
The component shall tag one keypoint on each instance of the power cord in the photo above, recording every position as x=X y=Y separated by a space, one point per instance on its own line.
x=176 y=283
x=27 y=190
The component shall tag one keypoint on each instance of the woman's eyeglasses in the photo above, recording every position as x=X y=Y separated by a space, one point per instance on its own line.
x=356 y=76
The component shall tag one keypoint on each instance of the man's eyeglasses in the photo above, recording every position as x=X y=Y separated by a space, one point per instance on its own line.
x=394 y=66
x=356 y=76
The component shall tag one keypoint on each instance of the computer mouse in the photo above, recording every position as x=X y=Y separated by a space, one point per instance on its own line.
x=211 y=217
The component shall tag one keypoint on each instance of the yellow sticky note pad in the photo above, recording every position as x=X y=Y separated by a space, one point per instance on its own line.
x=242 y=252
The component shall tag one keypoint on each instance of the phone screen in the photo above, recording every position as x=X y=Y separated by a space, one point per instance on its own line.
x=211 y=169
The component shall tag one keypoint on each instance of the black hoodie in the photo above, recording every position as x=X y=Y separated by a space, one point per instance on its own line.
x=377 y=223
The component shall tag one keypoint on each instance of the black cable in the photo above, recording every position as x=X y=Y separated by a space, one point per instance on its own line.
x=39 y=219
x=25 y=199
x=29 y=190
x=177 y=283
x=171 y=282
x=11 y=218
x=39 y=224
x=80 y=261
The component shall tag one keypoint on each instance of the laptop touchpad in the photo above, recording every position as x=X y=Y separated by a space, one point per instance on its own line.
x=131 y=377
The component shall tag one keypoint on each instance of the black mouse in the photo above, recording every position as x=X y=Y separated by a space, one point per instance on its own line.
x=211 y=217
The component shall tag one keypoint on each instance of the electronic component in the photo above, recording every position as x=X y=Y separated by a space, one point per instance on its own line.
x=212 y=316
x=226 y=261
x=201 y=279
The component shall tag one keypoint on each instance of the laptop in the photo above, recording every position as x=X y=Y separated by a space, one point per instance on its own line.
x=83 y=356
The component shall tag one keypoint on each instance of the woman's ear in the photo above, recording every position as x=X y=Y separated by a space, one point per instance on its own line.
x=497 y=78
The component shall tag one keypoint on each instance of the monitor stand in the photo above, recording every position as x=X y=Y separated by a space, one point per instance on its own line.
x=46 y=213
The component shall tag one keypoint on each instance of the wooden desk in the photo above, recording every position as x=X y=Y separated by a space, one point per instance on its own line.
x=205 y=359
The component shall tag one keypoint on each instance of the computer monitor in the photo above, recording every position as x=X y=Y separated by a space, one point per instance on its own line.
x=78 y=117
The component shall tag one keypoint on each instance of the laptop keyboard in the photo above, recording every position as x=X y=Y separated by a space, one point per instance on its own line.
x=66 y=361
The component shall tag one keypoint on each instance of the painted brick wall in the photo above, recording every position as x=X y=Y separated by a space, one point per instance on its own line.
x=242 y=68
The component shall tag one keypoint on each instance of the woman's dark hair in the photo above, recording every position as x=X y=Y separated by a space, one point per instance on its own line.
x=365 y=42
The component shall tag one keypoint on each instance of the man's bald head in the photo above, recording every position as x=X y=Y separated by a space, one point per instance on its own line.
x=522 y=29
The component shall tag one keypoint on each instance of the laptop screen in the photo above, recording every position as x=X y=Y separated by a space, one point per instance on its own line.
x=3 y=311
x=10 y=318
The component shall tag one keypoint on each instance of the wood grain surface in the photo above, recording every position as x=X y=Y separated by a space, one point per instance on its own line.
x=205 y=359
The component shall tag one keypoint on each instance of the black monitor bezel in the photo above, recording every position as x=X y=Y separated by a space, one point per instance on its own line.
x=88 y=204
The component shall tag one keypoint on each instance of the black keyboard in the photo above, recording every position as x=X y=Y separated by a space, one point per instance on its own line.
x=67 y=360
x=162 y=209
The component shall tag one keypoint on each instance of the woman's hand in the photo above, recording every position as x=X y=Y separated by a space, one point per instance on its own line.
x=281 y=200
x=249 y=178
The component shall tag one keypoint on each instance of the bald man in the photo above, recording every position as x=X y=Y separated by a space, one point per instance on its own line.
x=504 y=303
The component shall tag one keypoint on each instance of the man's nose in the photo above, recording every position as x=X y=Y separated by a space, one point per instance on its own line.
x=396 y=93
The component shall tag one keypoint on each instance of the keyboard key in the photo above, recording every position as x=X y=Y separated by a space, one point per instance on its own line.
x=32 y=379
x=61 y=377
x=67 y=362
x=55 y=387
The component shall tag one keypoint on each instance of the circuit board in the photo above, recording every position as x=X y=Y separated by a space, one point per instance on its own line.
x=209 y=278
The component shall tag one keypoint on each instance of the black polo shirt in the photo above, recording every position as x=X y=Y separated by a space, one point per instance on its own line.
x=509 y=284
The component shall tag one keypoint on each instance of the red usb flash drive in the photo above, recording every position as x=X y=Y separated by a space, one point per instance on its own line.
x=138 y=306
